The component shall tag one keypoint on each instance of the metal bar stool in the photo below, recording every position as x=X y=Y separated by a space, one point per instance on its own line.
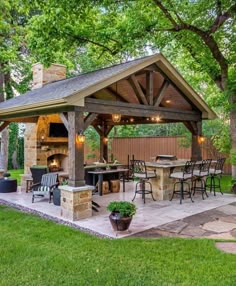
x=213 y=180
x=140 y=172
x=199 y=173
x=183 y=176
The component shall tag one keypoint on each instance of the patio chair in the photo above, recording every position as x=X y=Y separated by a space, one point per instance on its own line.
x=140 y=172
x=214 y=178
x=182 y=177
x=37 y=172
x=48 y=183
x=200 y=172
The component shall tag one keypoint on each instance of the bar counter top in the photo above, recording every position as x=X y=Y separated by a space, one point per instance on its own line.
x=166 y=164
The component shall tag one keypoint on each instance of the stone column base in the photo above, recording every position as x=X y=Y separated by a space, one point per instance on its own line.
x=76 y=202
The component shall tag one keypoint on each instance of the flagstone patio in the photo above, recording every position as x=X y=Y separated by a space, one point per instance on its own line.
x=162 y=215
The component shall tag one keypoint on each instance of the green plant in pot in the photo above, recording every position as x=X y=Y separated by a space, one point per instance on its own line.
x=121 y=214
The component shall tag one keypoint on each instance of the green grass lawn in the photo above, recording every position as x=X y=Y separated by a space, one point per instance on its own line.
x=34 y=251
x=16 y=175
x=226 y=184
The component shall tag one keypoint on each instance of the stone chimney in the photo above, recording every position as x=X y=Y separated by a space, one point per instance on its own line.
x=42 y=76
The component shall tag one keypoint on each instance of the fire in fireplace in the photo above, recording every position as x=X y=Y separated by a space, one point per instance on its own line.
x=57 y=162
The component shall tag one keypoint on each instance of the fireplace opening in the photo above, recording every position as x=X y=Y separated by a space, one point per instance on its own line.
x=57 y=163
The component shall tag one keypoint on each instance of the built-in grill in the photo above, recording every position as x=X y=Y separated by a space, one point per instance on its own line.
x=166 y=158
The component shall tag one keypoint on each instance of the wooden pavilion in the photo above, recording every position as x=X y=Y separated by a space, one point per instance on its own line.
x=142 y=91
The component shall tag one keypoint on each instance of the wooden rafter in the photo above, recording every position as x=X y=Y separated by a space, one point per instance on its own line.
x=137 y=90
x=176 y=87
x=64 y=119
x=161 y=93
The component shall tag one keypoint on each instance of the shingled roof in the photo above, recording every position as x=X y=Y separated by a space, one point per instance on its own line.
x=72 y=91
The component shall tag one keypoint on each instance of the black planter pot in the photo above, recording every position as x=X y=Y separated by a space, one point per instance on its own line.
x=57 y=197
x=119 y=223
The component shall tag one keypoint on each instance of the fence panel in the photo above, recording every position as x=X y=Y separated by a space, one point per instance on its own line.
x=147 y=147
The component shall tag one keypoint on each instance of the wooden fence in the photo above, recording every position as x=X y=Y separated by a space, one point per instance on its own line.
x=147 y=147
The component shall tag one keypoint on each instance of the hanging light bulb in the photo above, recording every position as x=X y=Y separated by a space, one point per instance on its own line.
x=116 y=117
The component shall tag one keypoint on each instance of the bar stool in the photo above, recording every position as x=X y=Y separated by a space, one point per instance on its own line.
x=213 y=180
x=183 y=176
x=199 y=173
x=140 y=172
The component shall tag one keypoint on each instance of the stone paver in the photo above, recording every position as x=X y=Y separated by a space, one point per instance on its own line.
x=219 y=226
x=229 y=247
x=175 y=227
x=228 y=209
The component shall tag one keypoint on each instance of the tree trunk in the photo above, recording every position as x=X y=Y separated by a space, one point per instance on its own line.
x=4 y=150
x=233 y=130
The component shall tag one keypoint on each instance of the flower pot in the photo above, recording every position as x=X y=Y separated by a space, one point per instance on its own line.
x=118 y=222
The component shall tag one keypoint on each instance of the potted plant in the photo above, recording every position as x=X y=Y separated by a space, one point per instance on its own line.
x=121 y=214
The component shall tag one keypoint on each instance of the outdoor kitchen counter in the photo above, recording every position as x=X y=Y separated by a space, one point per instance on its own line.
x=162 y=185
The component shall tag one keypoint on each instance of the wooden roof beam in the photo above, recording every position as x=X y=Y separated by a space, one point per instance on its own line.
x=137 y=90
x=149 y=87
x=4 y=125
x=139 y=110
x=161 y=93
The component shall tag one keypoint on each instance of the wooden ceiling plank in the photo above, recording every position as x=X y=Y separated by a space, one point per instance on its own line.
x=116 y=95
x=161 y=93
x=137 y=90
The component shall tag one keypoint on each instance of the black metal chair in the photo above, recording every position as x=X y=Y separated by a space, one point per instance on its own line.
x=200 y=172
x=182 y=177
x=140 y=172
x=45 y=188
x=37 y=172
x=214 y=178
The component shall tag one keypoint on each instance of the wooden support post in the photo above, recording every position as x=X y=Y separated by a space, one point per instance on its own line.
x=105 y=130
x=76 y=149
x=196 y=144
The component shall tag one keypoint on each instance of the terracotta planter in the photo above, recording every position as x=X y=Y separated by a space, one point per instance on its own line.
x=119 y=223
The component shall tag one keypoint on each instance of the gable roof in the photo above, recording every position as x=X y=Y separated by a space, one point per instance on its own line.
x=72 y=91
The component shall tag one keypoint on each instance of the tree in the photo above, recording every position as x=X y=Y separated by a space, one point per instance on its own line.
x=14 y=62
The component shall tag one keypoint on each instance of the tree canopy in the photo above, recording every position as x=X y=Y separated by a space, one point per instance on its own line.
x=197 y=36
